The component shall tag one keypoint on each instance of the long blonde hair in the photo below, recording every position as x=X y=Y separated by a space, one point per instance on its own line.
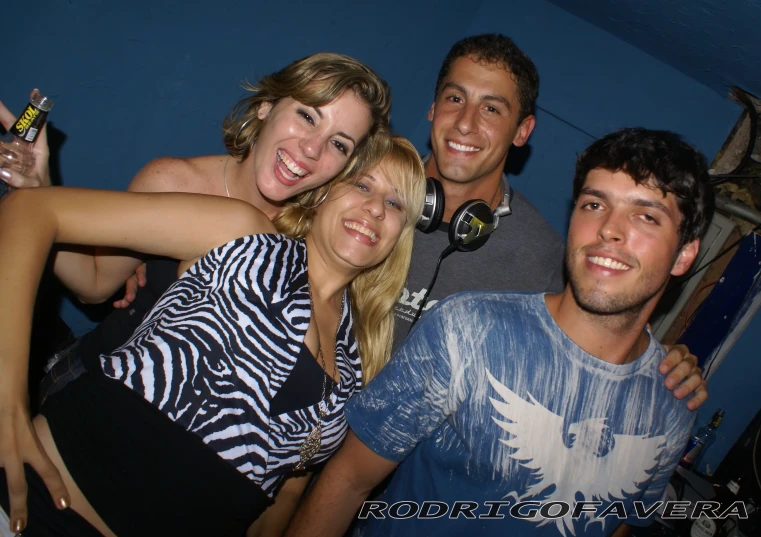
x=316 y=80
x=375 y=290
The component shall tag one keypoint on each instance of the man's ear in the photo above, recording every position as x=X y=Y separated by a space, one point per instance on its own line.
x=264 y=110
x=524 y=131
x=685 y=258
x=431 y=111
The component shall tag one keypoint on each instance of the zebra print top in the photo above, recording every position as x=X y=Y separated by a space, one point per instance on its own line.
x=219 y=344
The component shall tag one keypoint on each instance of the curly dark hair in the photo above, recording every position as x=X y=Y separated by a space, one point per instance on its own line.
x=660 y=157
x=498 y=49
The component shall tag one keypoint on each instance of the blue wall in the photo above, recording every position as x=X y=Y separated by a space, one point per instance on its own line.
x=134 y=83
x=716 y=42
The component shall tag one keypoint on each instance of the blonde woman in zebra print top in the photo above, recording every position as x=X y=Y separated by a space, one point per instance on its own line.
x=259 y=343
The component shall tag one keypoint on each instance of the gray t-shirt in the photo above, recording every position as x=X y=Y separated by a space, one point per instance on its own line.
x=523 y=254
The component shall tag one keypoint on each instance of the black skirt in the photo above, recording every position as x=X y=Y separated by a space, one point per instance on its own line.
x=141 y=472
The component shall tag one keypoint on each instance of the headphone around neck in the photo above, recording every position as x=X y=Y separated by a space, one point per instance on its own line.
x=471 y=223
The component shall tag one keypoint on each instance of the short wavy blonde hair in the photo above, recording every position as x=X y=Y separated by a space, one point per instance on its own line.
x=375 y=291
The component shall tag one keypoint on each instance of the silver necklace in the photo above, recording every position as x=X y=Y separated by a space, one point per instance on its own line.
x=224 y=176
x=312 y=444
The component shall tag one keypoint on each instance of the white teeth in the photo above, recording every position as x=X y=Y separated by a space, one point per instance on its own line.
x=608 y=263
x=460 y=147
x=362 y=229
x=294 y=168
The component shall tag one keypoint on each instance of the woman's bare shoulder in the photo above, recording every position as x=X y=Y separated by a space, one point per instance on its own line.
x=175 y=174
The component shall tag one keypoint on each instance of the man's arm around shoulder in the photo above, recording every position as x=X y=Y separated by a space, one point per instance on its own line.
x=340 y=490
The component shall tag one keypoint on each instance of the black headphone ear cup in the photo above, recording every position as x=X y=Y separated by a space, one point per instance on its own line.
x=461 y=229
x=433 y=208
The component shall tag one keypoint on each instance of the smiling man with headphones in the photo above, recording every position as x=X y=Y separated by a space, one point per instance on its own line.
x=484 y=104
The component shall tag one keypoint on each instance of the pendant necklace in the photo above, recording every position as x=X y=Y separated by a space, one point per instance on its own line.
x=311 y=445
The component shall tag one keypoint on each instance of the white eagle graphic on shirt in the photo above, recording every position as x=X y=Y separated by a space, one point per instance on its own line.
x=593 y=465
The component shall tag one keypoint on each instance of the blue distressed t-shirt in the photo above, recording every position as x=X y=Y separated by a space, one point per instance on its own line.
x=488 y=400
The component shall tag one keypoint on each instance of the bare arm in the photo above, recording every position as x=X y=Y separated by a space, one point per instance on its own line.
x=274 y=521
x=622 y=531
x=77 y=268
x=343 y=485
x=18 y=443
x=94 y=274
x=183 y=226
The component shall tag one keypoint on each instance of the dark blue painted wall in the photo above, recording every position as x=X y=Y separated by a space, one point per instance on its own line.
x=716 y=42
x=134 y=81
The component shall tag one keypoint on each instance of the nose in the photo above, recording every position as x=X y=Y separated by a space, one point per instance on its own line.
x=467 y=119
x=312 y=145
x=613 y=227
x=375 y=205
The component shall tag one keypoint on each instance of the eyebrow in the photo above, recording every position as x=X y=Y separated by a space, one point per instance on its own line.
x=344 y=135
x=340 y=133
x=486 y=97
x=396 y=190
x=640 y=202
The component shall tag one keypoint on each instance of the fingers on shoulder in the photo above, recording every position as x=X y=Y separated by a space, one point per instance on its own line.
x=700 y=396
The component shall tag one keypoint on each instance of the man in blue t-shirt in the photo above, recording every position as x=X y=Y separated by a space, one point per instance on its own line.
x=534 y=414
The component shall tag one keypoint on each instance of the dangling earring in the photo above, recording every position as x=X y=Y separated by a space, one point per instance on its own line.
x=322 y=199
x=237 y=135
x=298 y=224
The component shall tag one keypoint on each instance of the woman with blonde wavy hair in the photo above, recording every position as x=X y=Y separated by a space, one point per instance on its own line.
x=377 y=288
x=237 y=378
